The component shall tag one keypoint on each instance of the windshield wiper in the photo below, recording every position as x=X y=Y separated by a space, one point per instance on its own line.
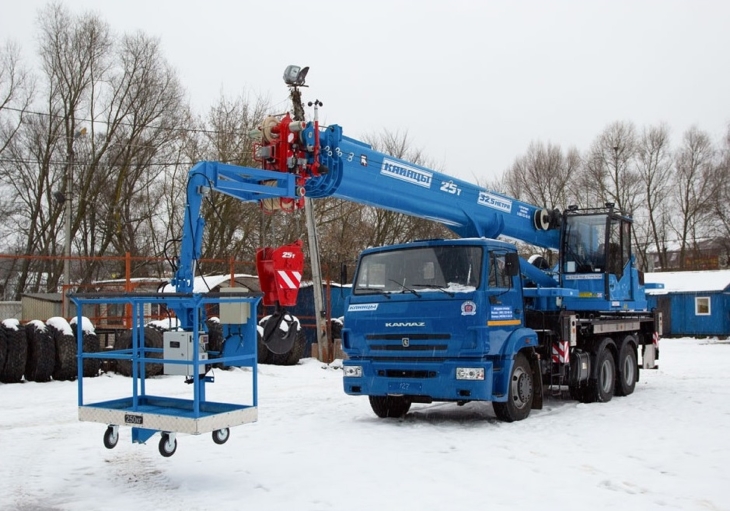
x=406 y=288
x=440 y=288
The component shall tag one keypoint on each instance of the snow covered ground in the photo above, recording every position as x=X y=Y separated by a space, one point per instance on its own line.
x=315 y=448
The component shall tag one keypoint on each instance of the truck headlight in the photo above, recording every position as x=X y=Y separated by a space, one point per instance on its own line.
x=469 y=373
x=353 y=371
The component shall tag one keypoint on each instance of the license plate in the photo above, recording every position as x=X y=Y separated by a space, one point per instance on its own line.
x=404 y=387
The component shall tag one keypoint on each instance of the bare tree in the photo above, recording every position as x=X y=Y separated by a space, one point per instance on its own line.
x=388 y=227
x=654 y=168
x=232 y=227
x=697 y=181
x=130 y=102
x=16 y=92
x=543 y=176
x=144 y=115
x=722 y=204
x=609 y=173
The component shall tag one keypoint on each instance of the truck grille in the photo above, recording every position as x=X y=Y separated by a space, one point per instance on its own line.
x=412 y=347
x=403 y=373
x=408 y=342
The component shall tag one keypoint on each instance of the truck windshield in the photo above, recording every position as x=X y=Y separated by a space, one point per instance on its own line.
x=450 y=269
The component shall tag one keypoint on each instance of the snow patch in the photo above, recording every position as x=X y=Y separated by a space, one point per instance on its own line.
x=37 y=323
x=11 y=324
x=285 y=323
x=60 y=324
x=86 y=325
x=165 y=324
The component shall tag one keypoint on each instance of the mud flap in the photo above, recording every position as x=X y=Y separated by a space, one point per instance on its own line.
x=537 y=383
x=649 y=357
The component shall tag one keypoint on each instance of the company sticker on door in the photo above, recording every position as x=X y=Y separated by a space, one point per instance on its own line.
x=362 y=307
x=468 y=308
x=501 y=312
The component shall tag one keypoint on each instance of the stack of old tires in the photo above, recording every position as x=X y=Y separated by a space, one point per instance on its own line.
x=13 y=351
x=152 y=339
x=39 y=351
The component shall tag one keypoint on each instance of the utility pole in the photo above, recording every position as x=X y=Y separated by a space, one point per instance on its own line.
x=67 y=226
x=319 y=309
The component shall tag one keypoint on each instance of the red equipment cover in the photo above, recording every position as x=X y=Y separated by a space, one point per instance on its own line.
x=280 y=273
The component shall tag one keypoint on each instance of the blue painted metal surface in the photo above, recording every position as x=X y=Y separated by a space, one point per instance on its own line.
x=360 y=174
x=681 y=317
x=147 y=414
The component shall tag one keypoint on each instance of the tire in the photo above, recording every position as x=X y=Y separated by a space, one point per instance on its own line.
x=221 y=436
x=601 y=388
x=336 y=329
x=66 y=368
x=272 y=330
x=3 y=351
x=215 y=338
x=111 y=437
x=41 y=352
x=605 y=376
x=17 y=353
x=295 y=355
x=91 y=344
x=152 y=339
x=520 y=392
x=627 y=368
x=390 y=406
x=167 y=446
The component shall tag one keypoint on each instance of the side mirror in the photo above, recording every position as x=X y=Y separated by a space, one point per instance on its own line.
x=512 y=264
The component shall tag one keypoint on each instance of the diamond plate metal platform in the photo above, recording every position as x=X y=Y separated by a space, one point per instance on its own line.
x=169 y=414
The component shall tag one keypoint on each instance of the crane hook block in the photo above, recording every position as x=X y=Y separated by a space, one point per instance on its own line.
x=280 y=273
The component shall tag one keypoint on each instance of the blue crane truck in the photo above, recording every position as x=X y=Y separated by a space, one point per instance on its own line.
x=468 y=319
x=456 y=320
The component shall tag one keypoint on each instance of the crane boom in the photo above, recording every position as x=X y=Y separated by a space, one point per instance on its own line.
x=360 y=174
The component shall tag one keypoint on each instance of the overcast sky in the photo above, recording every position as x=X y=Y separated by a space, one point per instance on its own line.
x=472 y=82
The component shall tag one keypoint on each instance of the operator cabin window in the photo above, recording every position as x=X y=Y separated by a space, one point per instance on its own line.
x=702 y=306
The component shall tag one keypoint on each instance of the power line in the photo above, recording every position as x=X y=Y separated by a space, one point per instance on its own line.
x=96 y=121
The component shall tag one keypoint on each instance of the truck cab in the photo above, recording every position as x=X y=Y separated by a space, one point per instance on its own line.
x=435 y=321
x=596 y=260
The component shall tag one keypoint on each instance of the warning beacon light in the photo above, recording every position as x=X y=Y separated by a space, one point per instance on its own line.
x=295 y=75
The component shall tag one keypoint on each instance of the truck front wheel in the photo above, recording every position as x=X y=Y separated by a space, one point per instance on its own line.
x=521 y=390
x=390 y=406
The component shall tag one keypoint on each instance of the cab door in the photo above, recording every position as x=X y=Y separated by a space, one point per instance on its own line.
x=504 y=293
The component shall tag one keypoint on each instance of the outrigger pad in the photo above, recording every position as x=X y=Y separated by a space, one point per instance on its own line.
x=280 y=273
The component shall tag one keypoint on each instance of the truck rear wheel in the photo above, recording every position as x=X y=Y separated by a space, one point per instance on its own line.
x=599 y=389
x=627 y=368
x=390 y=406
x=606 y=376
x=520 y=393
